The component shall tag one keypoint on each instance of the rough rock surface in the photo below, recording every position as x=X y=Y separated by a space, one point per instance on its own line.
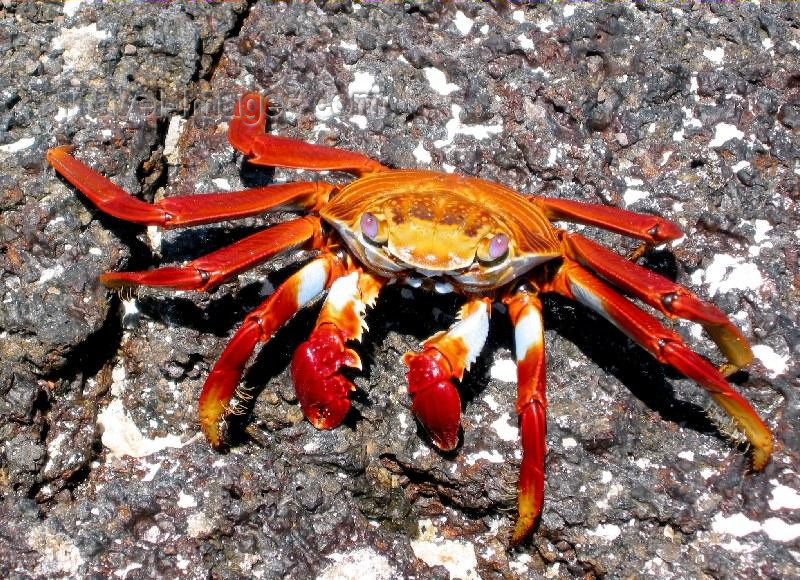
x=690 y=111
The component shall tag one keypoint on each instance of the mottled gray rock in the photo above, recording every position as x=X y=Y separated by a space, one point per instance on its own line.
x=685 y=110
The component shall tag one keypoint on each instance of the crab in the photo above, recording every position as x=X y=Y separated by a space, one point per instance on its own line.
x=440 y=231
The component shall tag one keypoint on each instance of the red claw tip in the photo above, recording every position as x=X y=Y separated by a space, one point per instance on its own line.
x=321 y=389
x=434 y=399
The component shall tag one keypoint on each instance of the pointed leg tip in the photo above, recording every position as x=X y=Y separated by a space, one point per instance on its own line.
x=522 y=530
x=59 y=152
x=214 y=433
x=760 y=455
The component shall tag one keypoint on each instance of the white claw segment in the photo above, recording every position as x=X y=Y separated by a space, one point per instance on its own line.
x=462 y=343
x=528 y=333
x=347 y=302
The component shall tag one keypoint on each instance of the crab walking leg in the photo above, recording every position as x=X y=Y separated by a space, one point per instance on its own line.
x=650 y=228
x=296 y=292
x=444 y=356
x=525 y=311
x=247 y=133
x=322 y=390
x=575 y=282
x=662 y=294
x=185 y=210
x=213 y=269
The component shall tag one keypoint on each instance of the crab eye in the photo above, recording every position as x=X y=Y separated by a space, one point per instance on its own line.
x=492 y=249
x=373 y=228
x=498 y=246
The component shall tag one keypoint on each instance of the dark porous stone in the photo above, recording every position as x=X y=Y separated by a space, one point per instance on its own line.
x=688 y=110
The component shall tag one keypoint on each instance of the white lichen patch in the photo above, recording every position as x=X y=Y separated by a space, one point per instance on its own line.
x=609 y=532
x=739 y=525
x=505 y=429
x=632 y=194
x=458 y=557
x=48 y=274
x=438 y=81
x=80 y=47
x=359 y=121
x=17 y=146
x=198 y=525
x=70 y=7
x=544 y=25
x=739 y=166
x=569 y=442
x=122 y=436
x=492 y=456
x=362 y=84
x=185 y=500
x=58 y=554
x=66 y=113
x=775 y=363
x=687 y=455
x=504 y=370
x=525 y=43
x=463 y=23
x=783 y=497
x=455 y=127
x=727 y=273
x=174 y=131
x=421 y=154
x=491 y=402
x=762 y=229
x=724 y=132
x=358 y=564
x=716 y=56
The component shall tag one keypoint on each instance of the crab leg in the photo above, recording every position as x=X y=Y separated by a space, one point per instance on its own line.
x=573 y=281
x=650 y=228
x=323 y=392
x=247 y=133
x=525 y=311
x=444 y=356
x=213 y=269
x=296 y=292
x=185 y=210
x=662 y=294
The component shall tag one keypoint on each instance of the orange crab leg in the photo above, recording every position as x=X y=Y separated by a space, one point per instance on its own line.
x=662 y=294
x=650 y=228
x=445 y=356
x=247 y=133
x=297 y=291
x=185 y=210
x=213 y=269
x=575 y=282
x=525 y=311
x=322 y=390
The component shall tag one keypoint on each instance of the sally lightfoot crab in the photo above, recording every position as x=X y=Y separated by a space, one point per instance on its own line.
x=441 y=231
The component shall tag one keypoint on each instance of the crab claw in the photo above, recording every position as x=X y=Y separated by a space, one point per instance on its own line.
x=434 y=399
x=321 y=389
